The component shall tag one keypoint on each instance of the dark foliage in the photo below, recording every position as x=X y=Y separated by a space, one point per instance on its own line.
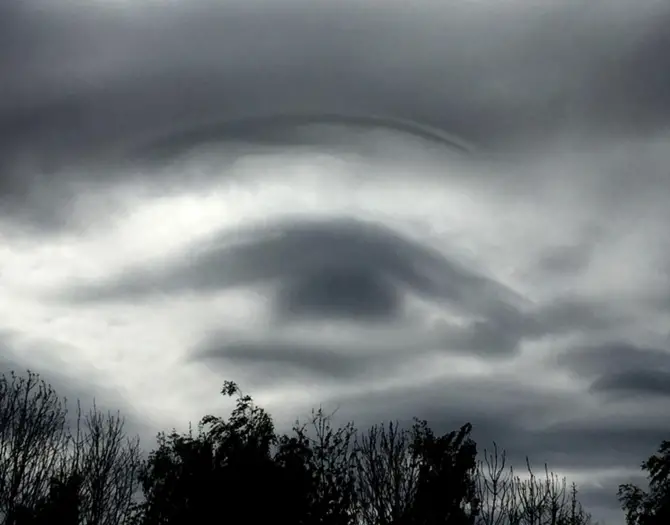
x=651 y=507
x=240 y=469
x=51 y=472
x=319 y=474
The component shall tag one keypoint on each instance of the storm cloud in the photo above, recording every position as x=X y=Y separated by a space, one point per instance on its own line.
x=589 y=69
x=450 y=210
x=365 y=260
x=621 y=368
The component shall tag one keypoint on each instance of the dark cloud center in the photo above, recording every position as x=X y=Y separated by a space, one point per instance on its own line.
x=349 y=293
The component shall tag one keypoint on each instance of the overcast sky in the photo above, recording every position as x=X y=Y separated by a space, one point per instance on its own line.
x=455 y=210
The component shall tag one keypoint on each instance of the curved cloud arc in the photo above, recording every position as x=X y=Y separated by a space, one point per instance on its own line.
x=252 y=129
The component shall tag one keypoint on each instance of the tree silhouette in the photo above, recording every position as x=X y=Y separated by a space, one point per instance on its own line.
x=445 y=486
x=61 y=505
x=33 y=435
x=317 y=475
x=653 y=506
x=187 y=476
x=107 y=463
x=507 y=499
x=240 y=469
x=330 y=466
x=387 y=474
x=52 y=473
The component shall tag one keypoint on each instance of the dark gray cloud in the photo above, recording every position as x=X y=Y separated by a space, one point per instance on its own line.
x=317 y=353
x=568 y=259
x=338 y=248
x=615 y=356
x=273 y=356
x=518 y=418
x=642 y=381
x=277 y=360
x=124 y=80
x=565 y=106
x=592 y=443
x=622 y=369
x=572 y=314
x=348 y=293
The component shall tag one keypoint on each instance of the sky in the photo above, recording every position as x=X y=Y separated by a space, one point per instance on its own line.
x=454 y=210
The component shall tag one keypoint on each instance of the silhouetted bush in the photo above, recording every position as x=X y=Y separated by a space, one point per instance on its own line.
x=326 y=475
x=240 y=469
x=653 y=506
x=52 y=473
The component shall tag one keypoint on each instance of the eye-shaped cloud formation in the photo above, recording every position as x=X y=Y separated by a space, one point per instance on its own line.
x=339 y=293
x=143 y=231
x=362 y=261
